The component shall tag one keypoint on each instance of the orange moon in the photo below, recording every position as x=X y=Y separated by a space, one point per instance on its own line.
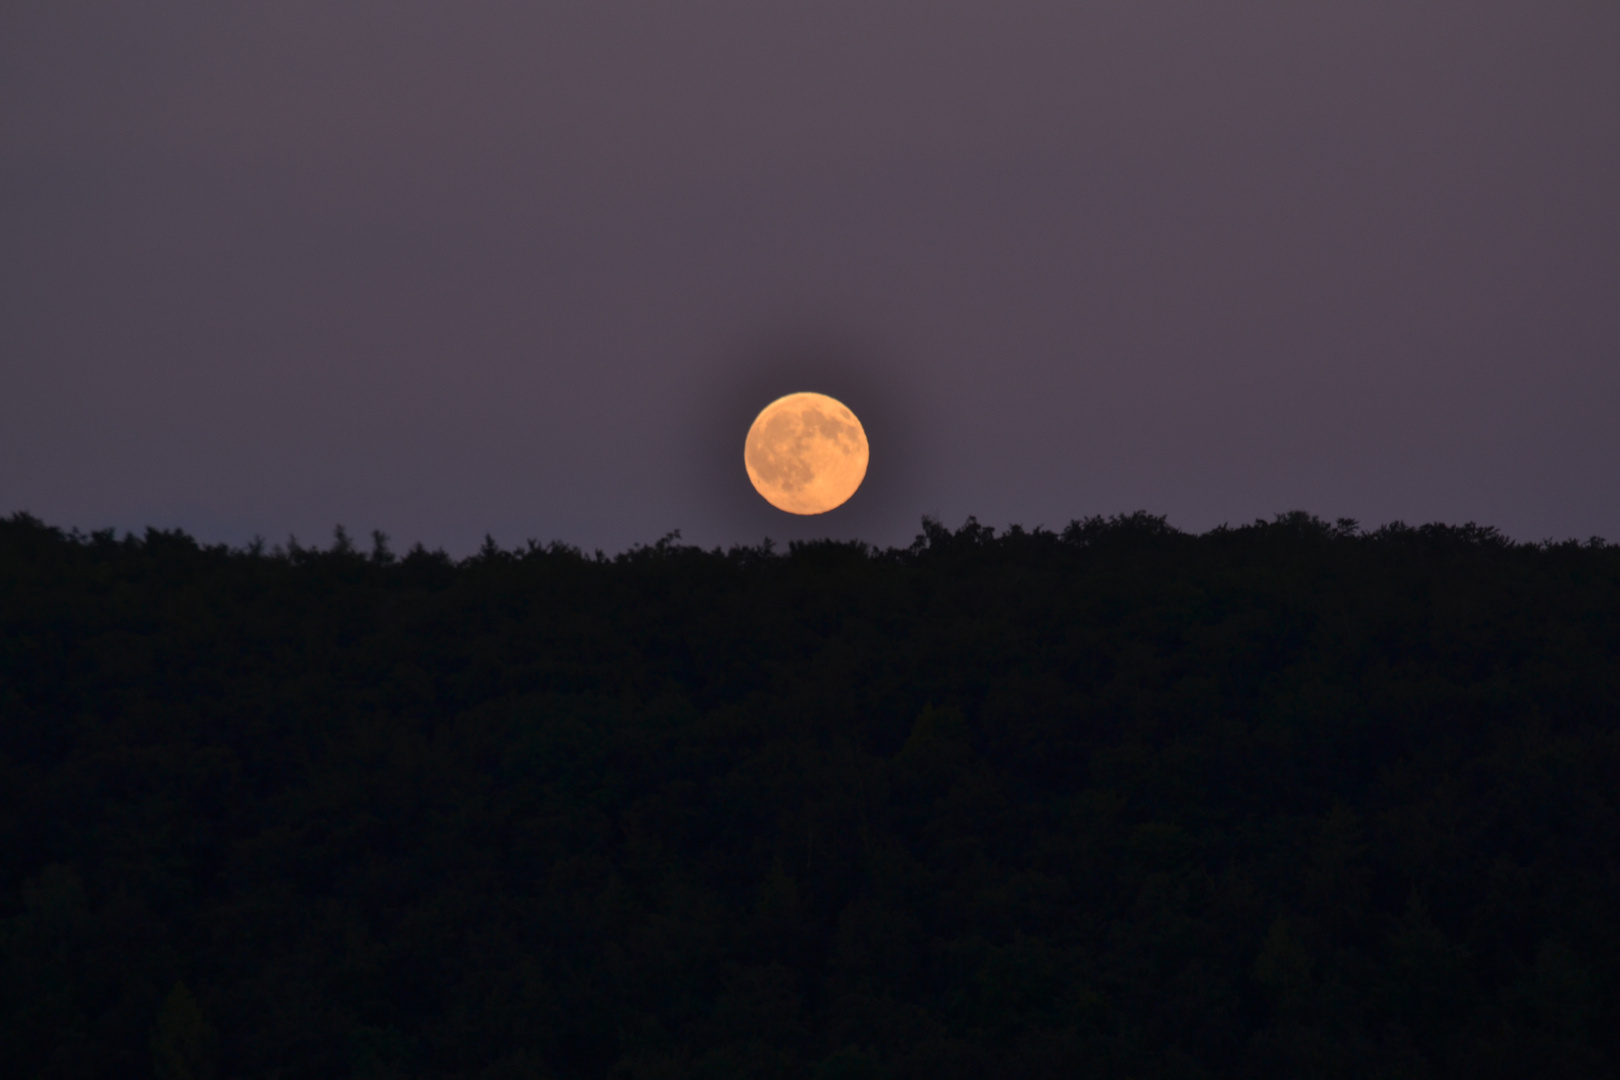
x=806 y=453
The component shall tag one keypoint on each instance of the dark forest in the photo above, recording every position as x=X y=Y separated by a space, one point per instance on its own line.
x=1289 y=799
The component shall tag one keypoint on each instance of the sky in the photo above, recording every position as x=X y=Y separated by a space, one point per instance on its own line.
x=529 y=270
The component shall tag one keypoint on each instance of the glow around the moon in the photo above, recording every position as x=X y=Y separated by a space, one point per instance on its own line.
x=806 y=453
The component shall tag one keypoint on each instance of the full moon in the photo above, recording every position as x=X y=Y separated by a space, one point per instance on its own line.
x=806 y=453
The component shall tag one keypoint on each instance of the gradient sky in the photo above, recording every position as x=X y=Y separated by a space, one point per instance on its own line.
x=531 y=268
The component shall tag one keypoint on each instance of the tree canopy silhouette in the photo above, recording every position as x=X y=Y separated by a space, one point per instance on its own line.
x=1279 y=800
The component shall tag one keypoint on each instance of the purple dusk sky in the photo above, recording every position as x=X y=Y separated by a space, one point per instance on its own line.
x=529 y=269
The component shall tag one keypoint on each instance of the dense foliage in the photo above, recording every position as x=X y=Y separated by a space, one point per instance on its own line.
x=1275 y=801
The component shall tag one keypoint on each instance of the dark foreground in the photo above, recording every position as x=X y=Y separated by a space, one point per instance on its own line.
x=1280 y=801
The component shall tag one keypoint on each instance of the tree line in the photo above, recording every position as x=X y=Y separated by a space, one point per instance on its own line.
x=1288 y=799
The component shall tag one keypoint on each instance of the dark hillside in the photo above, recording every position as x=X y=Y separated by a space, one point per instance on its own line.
x=1278 y=801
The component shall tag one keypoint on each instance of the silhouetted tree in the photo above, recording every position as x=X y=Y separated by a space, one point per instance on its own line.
x=1291 y=798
